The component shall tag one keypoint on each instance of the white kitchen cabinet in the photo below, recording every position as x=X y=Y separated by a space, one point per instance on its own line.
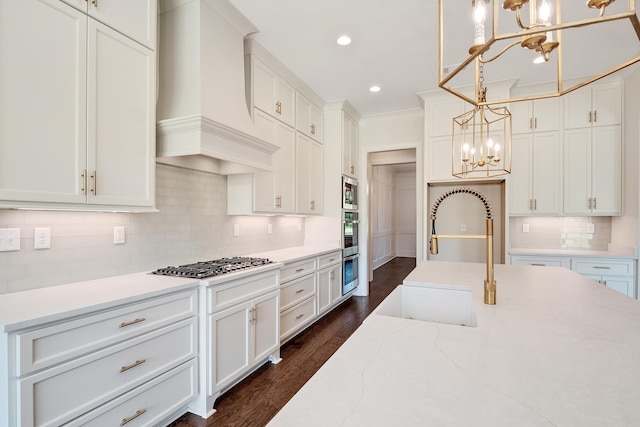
x=540 y=115
x=309 y=118
x=77 y=129
x=134 y=19
x=102 y=359
x=535 y=182
x=298 y=290
x=271 y=93
x=239 y=332
x=309 y=176
x=440 y=113
x=329 y=281
x=267 y=192
x=593 y=171
x=597 y=104
x=350 y=146
x=618 y=275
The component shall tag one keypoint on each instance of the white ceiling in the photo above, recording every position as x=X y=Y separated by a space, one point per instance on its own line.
x=395 y=46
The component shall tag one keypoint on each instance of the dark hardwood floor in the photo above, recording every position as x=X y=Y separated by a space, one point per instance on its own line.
x=257 y=399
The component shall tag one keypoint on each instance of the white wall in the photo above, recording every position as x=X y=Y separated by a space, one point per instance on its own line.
x=192 y=225
x=405 y=208
x=383 y=220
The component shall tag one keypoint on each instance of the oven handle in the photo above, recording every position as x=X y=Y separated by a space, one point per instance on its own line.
x=349 y=258
x=351 y=221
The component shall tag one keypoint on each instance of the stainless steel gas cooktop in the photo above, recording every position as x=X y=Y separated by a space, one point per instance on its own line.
x=216 y=267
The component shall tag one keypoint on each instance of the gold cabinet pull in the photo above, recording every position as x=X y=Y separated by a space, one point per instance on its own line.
x=332 y=259
x=133 y=365
x=313 y=129
x=312 y=205
x=595 y=116
x=84 y=182
x=299 y=316
x=299 y=270
x=94 y=2
x=299 y=291
x=352 y=169
x=94 y=177
x=133 y=322
x=132 y=417
x=590 y=117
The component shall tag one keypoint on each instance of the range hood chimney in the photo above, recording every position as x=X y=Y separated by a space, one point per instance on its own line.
x=204 y=122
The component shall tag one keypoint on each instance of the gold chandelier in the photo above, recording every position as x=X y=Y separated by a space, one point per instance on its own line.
x=481 y=140
x=538 y=28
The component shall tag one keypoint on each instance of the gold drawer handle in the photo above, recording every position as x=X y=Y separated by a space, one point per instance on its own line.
x=133 y=365
x=133 y=417
x=299 y=316
x=299 y=270
x=299 y=291
x=332 y=259
x=133 y=322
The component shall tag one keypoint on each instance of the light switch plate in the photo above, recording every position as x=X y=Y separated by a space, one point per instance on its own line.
x=525 y=228
x=9 y=239
x=118 y=235
x=591 y=228
x=236 y=230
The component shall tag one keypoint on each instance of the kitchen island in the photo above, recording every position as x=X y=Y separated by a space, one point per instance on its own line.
x=557 y=349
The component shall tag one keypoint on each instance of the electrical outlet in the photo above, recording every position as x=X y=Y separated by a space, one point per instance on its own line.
x=525 y=228
x=591 y=228
x=236 y=230
x=269 y=228
x=118 y=235
x=463 y=227
x=9 y=239
x=42 y=238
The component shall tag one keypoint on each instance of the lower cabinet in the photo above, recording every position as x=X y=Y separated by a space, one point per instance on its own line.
x=240 y=332
x=617 y=274
x=136 y=363
x=309 y=288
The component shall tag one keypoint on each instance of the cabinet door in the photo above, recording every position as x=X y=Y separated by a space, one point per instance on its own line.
x=520 y=184
x=547 y=113
x=42 y=102
x=521 y=117
x=264 y=87
x=121 y=119
x=324 y=290
x=231 y=345
x=309 y=175
x=624 y=285
x=439 y=159
x=336 y=283
x=349 y=146
x=547 y=175
x=266 y=326
x=607 y=104
x=316 y=179
x=441 y=114
x=303 y=119
x=275 y=191
x=606 y=170
x=135 y=19
x=316 y=119
x=577 y=171
x=577 y=108
x=286 y=96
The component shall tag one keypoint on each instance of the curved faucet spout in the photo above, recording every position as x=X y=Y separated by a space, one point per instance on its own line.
x=489 y=283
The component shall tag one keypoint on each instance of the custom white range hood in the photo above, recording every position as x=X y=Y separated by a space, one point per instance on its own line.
x=203 y=118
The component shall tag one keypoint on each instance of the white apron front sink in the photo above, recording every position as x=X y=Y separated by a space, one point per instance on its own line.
x=430 y=304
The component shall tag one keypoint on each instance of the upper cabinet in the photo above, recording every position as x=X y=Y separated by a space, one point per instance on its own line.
x=77 y=115
x=309 y=176
x=271 y=93
x=540 y=115
x=309 y=119
x=350 y=146
x=593 y=105
x=135 y=19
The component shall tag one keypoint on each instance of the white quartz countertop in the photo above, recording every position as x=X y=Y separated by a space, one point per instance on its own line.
x=557 y=349
x=625 y=254
x=295 y=253
x=24 y=309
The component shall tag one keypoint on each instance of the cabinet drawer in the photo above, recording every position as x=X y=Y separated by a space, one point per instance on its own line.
x=59 y=394
x=298 y=316
x=236 y=291
x=297 y=269
x=55 y=344
x=603 y=267
x=148 y=404
x=296 y=291
x=541 y=261
x=332 y=258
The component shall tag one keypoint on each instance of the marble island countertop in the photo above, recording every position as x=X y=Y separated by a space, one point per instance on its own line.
x=557 y=349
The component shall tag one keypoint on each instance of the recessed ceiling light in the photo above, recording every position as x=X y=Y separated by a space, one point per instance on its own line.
x=344 y=40
x=374 y=89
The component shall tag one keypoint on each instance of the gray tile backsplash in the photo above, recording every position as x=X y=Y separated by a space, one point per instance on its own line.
x=192 y=225
x=560 y=233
